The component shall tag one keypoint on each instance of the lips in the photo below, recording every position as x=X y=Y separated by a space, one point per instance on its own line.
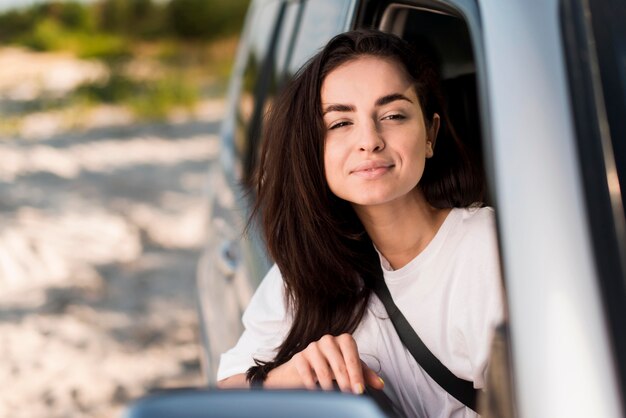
x=372 y=169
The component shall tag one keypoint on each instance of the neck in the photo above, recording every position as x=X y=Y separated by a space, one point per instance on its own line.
x=403 y=228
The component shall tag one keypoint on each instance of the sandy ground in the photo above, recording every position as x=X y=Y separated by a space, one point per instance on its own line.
x=100 y=231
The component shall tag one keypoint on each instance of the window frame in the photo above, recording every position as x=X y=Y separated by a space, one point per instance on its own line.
x=605 y=210
x=259 y=94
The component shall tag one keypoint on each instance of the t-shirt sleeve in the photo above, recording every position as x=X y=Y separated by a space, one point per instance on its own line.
x=266 y=323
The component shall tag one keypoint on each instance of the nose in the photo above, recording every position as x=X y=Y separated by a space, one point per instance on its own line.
x=371 y=139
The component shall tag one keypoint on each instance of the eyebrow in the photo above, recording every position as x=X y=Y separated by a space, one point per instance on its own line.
x=339 y=108
x=379 y=102
x=392 y=98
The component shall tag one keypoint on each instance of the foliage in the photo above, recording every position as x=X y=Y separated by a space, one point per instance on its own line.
x=18 y=23
x=202 y=19
x=191 y=41
x=149 y=99
x=74 y=16
x=115 y=89
x=49 y=35
x=140 y=19
x=104 y=46
x=159 y=97
x=46 y=35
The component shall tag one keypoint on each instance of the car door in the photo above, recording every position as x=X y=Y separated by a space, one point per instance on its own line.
x=223 y=279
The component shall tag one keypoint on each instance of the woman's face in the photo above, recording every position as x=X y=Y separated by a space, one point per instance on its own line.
x=376 y=138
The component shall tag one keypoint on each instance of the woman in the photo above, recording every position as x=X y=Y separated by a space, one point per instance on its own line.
x=361 y=169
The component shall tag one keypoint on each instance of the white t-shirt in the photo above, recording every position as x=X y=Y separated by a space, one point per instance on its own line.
x=450 y=294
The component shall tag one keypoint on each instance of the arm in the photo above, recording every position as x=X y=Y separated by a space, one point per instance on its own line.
x=234 y=382
x=329 y=361
x=266 y=322
x=324 y=362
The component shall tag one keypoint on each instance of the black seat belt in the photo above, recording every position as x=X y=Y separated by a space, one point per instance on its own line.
x=462 y=390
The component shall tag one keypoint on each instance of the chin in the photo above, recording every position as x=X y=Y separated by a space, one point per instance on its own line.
x=373 y=196
x=369 y=200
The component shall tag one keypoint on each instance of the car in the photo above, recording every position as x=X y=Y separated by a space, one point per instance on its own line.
x=537 y=89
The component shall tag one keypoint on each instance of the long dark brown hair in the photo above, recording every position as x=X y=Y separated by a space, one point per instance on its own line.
x=325 y=257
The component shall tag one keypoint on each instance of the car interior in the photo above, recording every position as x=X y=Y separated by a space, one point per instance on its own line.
x=445 y=39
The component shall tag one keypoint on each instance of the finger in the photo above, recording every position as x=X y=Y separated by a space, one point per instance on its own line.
x=372 y=378
x=334 y=356
x=305 y=371
x=320 y=366
x=352 y=362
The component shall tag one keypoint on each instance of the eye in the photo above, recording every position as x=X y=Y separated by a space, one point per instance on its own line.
x=339 y=125
x=395 y=116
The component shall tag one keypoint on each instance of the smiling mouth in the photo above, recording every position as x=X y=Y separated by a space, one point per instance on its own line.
x=371 y=173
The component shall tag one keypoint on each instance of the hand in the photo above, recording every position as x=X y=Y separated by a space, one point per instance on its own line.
x=324 y=361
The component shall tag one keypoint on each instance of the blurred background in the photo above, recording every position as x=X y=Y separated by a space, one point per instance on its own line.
x=109 y=111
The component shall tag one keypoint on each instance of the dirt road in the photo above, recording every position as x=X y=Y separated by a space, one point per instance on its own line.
x=100 y=231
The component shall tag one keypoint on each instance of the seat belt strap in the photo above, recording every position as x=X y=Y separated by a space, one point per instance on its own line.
x=460 y=389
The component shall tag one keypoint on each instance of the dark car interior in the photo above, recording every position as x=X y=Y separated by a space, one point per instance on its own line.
x=444 y=38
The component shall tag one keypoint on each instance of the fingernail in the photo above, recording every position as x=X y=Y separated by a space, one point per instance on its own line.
x=381 y=380
x=358 y=389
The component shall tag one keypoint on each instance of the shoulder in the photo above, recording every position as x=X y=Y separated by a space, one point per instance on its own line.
x=271 y=285
x=272 y=278
x=265 y=325
x=478 y=219
x=477 y=254
x=269 y=299
x=476 y=229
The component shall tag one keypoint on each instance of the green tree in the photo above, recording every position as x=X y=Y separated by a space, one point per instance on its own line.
x=114 y=15
x=149 y=18
x=74 y=15
x=139 y=18
x=204 y=19
x=15 y=23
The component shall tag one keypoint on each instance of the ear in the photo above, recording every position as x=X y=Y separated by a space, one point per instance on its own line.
x=432 y=135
